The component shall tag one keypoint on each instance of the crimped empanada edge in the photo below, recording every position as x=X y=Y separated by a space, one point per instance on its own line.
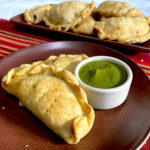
x=80 y=122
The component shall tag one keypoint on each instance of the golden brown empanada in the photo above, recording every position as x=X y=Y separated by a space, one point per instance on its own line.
x=117 y=9
x=124 y=29
x=35 y=15
x=85 y=27
x=65 y=61
x=66 y=15
x=54 y=97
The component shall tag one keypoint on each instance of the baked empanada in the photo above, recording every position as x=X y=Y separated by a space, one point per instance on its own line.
x=54 y=97
x=66 y=15
x=117 y=9
x=65 y=61
x=124 y=29
x=35 y=15
x=85 y=27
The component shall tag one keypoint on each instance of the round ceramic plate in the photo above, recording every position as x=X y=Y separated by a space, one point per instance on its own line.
x=121 y=128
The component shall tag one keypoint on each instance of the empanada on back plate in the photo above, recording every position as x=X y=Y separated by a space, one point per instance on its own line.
x=124 y=29
x=54 y=97
x=117 y=9
x=35 y=15
x=85 y=27
x=66 y=15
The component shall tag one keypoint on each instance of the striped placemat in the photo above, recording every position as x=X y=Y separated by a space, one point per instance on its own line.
x=12 y=39
x=143 y=60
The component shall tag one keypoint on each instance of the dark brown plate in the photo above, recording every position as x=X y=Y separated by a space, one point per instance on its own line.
x=122 y=47
x=122 y=128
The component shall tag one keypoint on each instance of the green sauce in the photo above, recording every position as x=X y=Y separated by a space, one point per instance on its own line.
x=102 y=74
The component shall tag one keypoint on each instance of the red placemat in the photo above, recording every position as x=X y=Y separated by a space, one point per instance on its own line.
x=12 y=39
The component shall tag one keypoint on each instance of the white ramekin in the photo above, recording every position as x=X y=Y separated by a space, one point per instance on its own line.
x=106 y=98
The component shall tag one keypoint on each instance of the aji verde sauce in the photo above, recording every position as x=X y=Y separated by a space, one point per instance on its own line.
x=102 y=74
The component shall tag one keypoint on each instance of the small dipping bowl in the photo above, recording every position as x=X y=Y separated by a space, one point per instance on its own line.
x=106 y=98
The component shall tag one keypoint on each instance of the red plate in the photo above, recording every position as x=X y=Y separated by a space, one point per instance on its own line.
x=122 y=128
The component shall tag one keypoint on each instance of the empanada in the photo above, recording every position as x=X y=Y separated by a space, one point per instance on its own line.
x=54 y=97
x=66 y=15
x=117 y=9
x=124 y=29
x=85 y=27
x=35 y=15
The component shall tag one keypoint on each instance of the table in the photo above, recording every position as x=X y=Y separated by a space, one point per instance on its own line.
x=13 y=39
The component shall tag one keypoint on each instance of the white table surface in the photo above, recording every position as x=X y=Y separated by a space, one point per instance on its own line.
x=10 y=8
